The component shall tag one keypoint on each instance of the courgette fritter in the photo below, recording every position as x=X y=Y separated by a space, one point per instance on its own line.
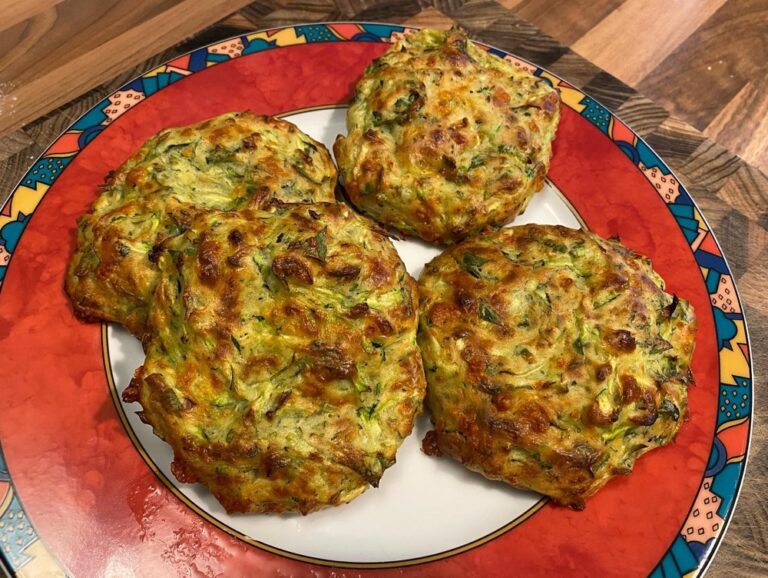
x=227 y=162
x=282 y=365
x=445 y=138
x=554 y=358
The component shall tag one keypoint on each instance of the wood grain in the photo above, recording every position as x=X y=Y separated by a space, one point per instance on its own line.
x=49 y=39
x=718 y=60
x=705 y=61
x=702 y=61
x=430 y=18
x=749 y=108
x=15 y=11
x=566 y=20
x=89 y=55
x=633 y=39
x=715 y=47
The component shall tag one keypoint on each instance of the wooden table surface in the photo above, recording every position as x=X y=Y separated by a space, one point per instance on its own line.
x=691 y=77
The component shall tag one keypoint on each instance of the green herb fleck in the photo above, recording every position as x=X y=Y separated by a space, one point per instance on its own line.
x=366 y=413
x=361 y=386
x=293 y=369
x=405 y=293
x=402 y=104
x=489 y=314
x=472 y=264
x=657 y=345
x=271 y=282
x=315 y=247
x=169 y=400
x=541 y=292
x=322 y=248
x=555 y=246
x=304 y=173
x=476 y=162
x=598 y=464
x=513 y=256
x=614 y=433
x=529 y=172
x=669 y=408
x=492 y=369
x=606 y=301
x=576 y=248
x=236 y=343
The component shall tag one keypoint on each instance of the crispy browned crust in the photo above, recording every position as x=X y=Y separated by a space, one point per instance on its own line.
x=553 y=358
x=227 y=162
x=445 y=139
x=282 y=366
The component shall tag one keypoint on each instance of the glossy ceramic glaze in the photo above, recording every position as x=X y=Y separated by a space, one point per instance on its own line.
x=86 y=500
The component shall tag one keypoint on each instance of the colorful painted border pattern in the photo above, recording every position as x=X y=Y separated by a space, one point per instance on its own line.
x=21 y=547
x=692 y=549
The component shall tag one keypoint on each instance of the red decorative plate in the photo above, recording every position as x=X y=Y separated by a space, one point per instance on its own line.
x=85 y=487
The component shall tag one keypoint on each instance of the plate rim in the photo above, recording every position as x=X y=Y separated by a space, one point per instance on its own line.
x=36 y=195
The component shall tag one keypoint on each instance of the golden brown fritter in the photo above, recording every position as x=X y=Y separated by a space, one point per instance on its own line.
x=445 y=138
x=554 y=358
x=282 y=366
x=227 y=162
